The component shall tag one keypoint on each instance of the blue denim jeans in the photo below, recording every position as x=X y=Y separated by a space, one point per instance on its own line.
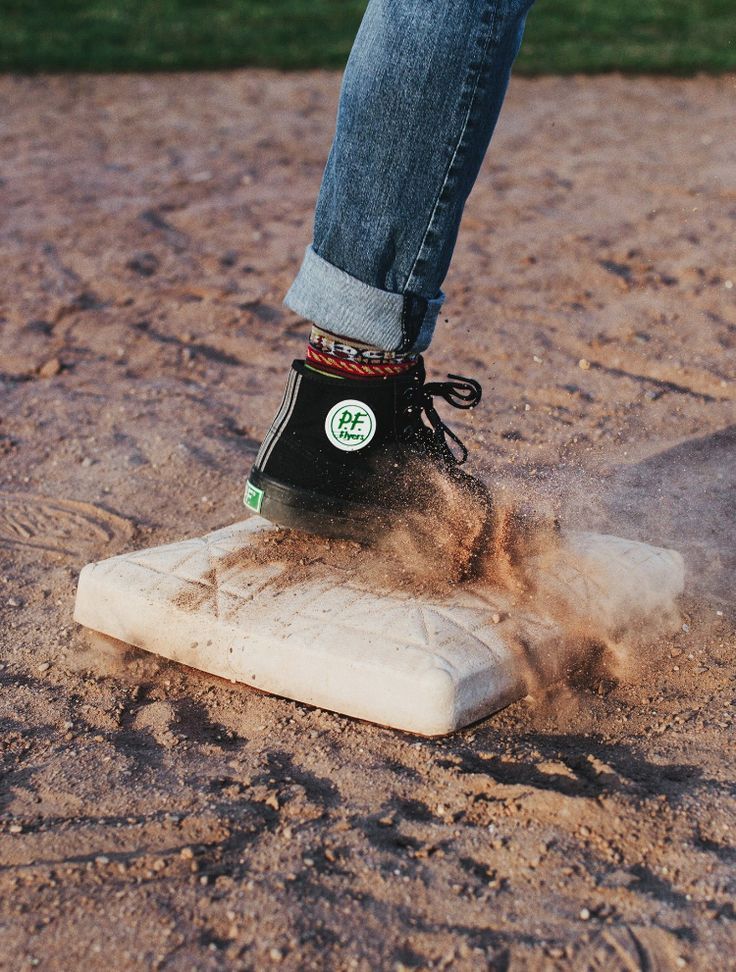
x=420 y=97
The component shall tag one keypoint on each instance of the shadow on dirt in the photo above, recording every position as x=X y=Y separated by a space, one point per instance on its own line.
x=684 y=498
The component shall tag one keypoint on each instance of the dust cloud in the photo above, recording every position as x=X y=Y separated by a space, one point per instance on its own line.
x=576 y=607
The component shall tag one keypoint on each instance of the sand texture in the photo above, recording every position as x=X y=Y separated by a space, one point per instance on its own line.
x=152 y=817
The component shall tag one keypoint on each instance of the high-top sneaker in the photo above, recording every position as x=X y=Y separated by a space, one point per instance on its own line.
x=344 y=458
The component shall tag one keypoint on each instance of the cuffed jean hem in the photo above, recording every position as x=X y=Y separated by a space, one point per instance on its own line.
x=344 y=305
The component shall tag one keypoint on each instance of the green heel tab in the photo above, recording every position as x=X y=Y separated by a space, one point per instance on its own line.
x=253 y=498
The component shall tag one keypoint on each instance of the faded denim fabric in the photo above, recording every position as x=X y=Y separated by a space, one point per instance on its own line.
x=420 y=97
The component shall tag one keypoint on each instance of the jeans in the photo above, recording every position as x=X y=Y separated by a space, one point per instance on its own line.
x=420 y=97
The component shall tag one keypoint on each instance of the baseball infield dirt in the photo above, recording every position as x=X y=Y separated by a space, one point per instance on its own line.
x=152 y=817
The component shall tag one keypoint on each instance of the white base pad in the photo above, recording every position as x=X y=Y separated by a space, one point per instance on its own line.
x=428 y=667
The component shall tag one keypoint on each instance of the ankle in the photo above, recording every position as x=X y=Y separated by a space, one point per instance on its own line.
x=340 y=357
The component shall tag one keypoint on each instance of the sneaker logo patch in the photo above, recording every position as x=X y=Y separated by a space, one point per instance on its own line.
x=350 y=425
x=253 y=498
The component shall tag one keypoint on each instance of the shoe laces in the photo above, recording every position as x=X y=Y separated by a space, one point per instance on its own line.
x=458 y=391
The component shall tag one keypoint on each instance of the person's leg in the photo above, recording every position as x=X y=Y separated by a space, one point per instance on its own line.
x=421 y=95
x=420 y=98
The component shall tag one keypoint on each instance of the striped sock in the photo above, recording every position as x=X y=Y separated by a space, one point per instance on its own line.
x=345 y=358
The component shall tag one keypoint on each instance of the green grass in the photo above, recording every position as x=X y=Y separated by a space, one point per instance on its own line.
x=662 y=36
x=563 y=36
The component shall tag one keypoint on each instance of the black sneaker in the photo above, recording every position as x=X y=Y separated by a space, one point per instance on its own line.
x=344 y=458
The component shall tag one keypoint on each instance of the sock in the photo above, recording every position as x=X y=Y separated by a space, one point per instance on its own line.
x=345 y=358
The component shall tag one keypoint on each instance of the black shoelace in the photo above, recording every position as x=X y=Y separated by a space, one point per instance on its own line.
x=460 y=392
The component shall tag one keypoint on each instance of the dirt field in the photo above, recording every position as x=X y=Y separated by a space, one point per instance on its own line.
x=155 y=818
